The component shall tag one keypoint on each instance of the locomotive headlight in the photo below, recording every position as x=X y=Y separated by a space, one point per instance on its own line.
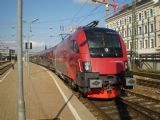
x=87 y=66
x=126 y=65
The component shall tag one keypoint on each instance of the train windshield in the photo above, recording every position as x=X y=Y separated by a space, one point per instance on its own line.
x=103 y=43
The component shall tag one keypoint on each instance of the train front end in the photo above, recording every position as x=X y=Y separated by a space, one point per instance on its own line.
x=104 y=64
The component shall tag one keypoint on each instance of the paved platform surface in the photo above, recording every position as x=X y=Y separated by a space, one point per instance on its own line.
x=46 y=97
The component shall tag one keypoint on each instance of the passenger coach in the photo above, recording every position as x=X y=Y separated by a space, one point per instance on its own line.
x=93 y=60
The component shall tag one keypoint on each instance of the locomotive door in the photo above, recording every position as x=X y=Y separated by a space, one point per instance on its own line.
x=73 y=59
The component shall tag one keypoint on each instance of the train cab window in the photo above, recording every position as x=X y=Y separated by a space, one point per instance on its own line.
x=103 y=43
x=75 y=46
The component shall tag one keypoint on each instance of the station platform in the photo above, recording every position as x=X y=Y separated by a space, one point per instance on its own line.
x=46 y=97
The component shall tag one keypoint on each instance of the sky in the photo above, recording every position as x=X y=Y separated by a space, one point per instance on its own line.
x=54 y=17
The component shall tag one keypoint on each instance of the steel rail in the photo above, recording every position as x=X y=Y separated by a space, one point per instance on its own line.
x=3 y=62
x=148 y=83
x=142 y=96
x=149 y=75
x=4 y=68
x=153 y=115
x=150 y=112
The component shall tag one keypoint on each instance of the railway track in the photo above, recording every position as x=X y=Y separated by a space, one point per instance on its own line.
x=118 y=110
x=148 y=82
x=149 y=106
x=148 y=79
x=131 y=106
x=3 y=62
x=4 y=67
x=149 y=75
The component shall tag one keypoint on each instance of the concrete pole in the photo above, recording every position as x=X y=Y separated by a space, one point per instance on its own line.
x=133 y=47
x=21 y=103
x=28 y=45
x=29 y=30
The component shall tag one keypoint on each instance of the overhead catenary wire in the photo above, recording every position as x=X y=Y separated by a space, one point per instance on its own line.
x=74 y=17
x=83 y=5
x=101 y=18
x=81 y=18
x=67 y=19
x=89 y=13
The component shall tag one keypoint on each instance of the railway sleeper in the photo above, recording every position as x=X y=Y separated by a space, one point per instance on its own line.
x=143 y=110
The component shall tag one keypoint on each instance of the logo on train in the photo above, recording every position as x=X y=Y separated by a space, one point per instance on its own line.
x=106 y=49
x=96 y=83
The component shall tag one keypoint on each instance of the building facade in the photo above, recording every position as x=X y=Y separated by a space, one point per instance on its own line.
x=147 y=26
x=157 y=9
x=7 y=54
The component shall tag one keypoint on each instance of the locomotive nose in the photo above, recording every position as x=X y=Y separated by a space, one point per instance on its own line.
x=107 y=67
x=112 y=79
x=109 y=80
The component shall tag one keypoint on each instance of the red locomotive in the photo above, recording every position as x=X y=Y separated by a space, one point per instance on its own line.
x=94 y=61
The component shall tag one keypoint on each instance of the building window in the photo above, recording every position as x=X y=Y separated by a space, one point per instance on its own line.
x=145 y=14
x=146 y=43
x=151 y=12
x=127 y=44
x=137 y=44
x=130 y=31
x=130 y=19
x=151 y=27
x=140 y=30
x=141 y=44
x=145 y=29
x=125 y=21
x=152 y=43
x=125 y=32
x=159 y=40
x=140 y=16
x=136 y=17
x=130 y=44
x=135 y=32
x=120 y=22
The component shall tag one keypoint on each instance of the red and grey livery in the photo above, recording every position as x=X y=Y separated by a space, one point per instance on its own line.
x=93 y=60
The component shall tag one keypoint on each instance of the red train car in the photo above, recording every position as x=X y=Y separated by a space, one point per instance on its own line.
x=94 y=60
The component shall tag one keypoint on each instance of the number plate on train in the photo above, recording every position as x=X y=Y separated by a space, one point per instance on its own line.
x=95 y=83
x=130 y=81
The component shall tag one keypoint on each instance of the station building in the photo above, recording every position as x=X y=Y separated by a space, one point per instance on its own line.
x=147 y=26
x=7 y=54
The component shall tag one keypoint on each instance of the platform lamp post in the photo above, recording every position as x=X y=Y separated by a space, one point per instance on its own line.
x=28 y=44
x=13 y=35
x=51 y=36
x=21 y=103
